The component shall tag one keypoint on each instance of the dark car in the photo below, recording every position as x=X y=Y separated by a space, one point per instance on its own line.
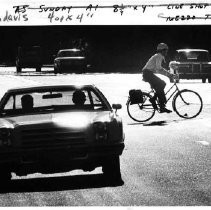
x=70 y=60
x=29 y=57
x=47 y=129
x=193 y=64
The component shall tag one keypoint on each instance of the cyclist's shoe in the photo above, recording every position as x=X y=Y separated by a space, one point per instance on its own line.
x=153 y=101
x=164 y=110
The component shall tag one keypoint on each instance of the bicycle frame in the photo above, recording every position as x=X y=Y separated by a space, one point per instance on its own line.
x=175 y=91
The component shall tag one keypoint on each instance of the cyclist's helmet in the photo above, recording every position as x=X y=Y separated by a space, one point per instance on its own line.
x=162 y=46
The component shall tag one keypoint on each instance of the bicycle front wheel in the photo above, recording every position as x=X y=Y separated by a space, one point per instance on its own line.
x=141 y=112
x=187 y=104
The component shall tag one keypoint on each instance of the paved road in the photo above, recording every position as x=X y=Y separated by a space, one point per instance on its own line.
x=167 y=161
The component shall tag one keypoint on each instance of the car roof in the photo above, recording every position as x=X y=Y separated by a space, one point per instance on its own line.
x=67 y=50
x=186 y=50
x=51 y=87
x=29 y=47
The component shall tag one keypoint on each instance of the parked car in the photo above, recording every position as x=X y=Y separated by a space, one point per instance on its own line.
x=70 y=60
x=29 y=57
x=193 y=64
x=42 y=129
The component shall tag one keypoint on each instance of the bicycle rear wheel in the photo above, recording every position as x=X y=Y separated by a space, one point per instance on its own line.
x=141 y=112
x=187 y=104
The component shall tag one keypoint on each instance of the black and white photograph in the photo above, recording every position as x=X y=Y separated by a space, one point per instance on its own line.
x=105 y=103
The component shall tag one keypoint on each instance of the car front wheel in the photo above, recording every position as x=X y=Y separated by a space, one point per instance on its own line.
x=38 y=69
x=203 y=80
x=111 y=170
x=56 y=70
x=18 y=69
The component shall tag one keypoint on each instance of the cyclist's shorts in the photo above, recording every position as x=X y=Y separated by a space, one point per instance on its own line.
x=155 y=82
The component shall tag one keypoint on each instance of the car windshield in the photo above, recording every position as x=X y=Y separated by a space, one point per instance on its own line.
x=192 y=56
x=70 y=53
x=53 y=101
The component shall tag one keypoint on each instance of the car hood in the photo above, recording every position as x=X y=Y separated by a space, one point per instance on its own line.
x=70 y=58
x=73 y=119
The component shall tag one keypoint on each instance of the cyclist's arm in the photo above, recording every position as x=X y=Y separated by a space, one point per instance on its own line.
x=160 y=69
x=165 y=72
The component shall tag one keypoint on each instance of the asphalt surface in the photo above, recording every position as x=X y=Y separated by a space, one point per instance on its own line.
x=166 y=161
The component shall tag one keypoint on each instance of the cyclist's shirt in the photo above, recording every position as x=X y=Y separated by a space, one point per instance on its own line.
x=155 y=63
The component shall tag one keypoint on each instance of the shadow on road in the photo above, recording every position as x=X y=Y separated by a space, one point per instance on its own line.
x=156 y=123
x=45 y=73
x=159 y=123
x=58 y=183
x=30 y=73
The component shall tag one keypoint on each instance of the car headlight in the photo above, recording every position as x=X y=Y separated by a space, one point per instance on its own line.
x=5 y=137
x=101 y=131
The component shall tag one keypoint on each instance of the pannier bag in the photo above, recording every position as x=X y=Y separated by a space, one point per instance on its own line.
x=136 y=96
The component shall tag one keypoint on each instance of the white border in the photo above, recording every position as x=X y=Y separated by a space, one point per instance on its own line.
x=134 y=12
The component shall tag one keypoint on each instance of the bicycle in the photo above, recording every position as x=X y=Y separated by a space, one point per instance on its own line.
x=186 y=103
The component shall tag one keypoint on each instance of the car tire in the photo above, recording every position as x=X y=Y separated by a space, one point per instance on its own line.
x=85 y=69
x=55 y=71
x=38 y=69
x=111 y=170
x=18 y=69
x=209 y=79
x=204 y=80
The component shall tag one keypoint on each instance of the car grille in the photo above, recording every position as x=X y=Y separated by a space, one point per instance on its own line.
x=196 y=68
x=72 y=62
x=206 y=68
x=51 y=137
x=185 y=69
x=190 y=69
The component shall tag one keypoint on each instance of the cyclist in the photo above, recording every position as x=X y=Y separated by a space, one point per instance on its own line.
x=154 y=65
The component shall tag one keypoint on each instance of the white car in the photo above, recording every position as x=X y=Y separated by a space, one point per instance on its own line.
x=47 y=129
x=70 y=60
x=193 y=64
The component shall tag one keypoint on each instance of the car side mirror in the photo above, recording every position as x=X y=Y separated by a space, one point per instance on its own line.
x=116 y=106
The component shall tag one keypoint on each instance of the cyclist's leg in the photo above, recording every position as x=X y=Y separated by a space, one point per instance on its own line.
x=148 y=77
x=159 y=85
x=162 y=97
x=162 y=102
